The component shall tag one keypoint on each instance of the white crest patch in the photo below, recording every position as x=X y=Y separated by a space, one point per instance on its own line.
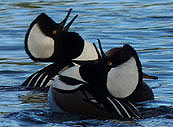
x=88 y=53
x=63 y=86
x=123 y=79
x=40 y=45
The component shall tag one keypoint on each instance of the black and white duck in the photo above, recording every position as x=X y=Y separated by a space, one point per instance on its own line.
x=109 y=86
x=48 y=41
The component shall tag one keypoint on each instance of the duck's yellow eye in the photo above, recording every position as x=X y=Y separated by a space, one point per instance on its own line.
x=109 y=63
x=54 y=32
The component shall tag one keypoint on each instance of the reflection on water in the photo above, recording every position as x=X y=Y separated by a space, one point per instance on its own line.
x=146 y=25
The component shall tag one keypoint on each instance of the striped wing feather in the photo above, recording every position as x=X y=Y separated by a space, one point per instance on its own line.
x=43 y=79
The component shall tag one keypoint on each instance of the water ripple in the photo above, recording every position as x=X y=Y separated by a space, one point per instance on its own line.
x=146 y=25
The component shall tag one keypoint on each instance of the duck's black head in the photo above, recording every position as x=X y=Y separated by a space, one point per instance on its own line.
x=126 y=75
x=118 y=73
x=48 y=41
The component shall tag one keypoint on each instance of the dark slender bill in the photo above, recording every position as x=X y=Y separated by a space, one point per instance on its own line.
x=70 y=23
x=101 y=49
x=99 y=56
x=65 y=19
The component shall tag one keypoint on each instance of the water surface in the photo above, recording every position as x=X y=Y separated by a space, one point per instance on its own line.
x=145 y=25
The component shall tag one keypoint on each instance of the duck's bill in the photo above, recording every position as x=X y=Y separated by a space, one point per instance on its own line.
x=146 y=76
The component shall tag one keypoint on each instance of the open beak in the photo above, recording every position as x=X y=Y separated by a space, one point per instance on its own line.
x=62 y=24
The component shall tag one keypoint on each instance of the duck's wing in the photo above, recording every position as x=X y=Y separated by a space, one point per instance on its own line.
x=119 y=108
x=43 y=78
x=106 y=105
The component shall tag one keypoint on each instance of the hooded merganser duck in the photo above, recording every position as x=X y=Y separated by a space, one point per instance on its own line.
x=48 y=41
x=91 y=87
x=143 y=91
x=108 y=86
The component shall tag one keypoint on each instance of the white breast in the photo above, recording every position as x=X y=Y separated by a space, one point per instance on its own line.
x=40 y=45
x=62 y=86
x=123 y=79
x=72 y=72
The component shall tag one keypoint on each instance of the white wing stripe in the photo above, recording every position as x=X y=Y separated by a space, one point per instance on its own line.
x=51 y=81
x=133 y=111
x=115 y=107
x=37 y=80
x=43 y=81
x=123 y=108
x=132 y=105
x=31 y=79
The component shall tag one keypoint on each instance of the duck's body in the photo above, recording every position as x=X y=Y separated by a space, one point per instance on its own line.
x=77 y=101
x=82 y=102
x=85 y=101
x=89 y=84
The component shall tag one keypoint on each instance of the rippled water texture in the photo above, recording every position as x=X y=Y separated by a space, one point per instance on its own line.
x=147 y=26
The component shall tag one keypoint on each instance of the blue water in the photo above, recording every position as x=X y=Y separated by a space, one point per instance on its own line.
x=146 y=25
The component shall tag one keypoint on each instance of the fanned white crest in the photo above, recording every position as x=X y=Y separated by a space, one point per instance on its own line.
x=123 y=79
x=40 y=45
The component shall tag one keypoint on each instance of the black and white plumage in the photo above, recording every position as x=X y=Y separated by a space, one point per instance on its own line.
x=48 y=41
x=86 y=84
x=81 y=99
x=91 y=79
x=129 y=75
x=43 y=78
x=101 y=84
